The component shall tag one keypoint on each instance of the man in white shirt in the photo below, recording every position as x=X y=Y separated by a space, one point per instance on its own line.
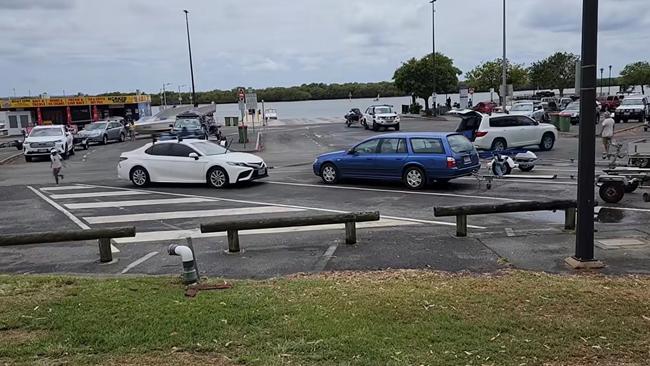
x=607 y=132
x=56 y=164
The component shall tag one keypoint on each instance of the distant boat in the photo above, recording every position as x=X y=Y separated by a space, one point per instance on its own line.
x=377 y=99
x=271 y=114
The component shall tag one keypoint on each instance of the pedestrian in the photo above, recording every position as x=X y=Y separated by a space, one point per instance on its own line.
x=56 y=163
x=607 y=133
x=132 y=130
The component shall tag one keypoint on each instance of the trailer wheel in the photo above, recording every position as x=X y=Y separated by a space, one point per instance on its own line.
x=612 y=192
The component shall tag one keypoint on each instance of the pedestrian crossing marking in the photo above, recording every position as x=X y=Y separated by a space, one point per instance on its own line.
x=95 y=194
x=66 y=188
x=187 y=214
x=109 y=204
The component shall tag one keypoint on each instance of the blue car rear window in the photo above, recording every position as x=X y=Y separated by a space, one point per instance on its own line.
x=459 y=144
x=427 y=146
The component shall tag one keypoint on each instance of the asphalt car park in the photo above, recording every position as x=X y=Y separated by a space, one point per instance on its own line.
x=407 y=236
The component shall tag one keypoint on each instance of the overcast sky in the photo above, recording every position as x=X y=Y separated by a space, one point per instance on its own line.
x=95 y=46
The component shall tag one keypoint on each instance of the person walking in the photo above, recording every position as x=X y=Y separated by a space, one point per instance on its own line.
x=132 y=131
x=56 y=163
x=607 y=133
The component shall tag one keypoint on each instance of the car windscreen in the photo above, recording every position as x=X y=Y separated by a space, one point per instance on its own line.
x=632 y=102
x=209 y=148
x=190 y=124
x=383 y=110
x=459 y=144
x=95 y=126
x=522 y=107
x=45 y=132
x=573 y=107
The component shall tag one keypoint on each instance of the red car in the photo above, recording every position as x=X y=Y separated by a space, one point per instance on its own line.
x=610 y=103
x=485 y=107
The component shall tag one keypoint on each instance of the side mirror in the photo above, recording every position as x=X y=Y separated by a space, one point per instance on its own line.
x=351 y=151
x=195 y=156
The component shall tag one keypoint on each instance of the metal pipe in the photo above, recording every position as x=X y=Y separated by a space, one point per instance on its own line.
x=189 y=48
x=587 y=135
x=189 y=268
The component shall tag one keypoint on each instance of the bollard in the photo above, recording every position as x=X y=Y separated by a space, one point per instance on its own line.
x=105 y=253
x=461 y=225
x=350 y=233
x=570 y=219
x=233 y=241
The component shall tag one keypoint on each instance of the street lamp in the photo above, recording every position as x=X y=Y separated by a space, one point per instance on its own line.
x=189 y=48
x=164 y=94
x=180 y=98
x=601 y=80
x=609 y=82
x=433 y=33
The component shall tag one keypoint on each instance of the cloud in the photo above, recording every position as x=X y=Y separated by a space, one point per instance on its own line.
x=36 y=4
x=264 y=64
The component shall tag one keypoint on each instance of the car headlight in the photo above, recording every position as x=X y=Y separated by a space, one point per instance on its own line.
x=397 y=118
x=236 y=164
x=574 y=115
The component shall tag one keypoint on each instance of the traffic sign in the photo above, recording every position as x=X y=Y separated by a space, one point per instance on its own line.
x=251 y=101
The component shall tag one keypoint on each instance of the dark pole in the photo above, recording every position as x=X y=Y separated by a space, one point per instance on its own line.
x=587 y=135
x=504 y=62
x=601 y=80
x=189 y=48
x=433 y=33
x=609 y=82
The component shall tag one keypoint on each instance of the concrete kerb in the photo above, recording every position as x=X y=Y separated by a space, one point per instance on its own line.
x=10 y=158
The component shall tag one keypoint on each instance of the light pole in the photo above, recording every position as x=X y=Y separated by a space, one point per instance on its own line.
x=609 y=82
x=189 y=48
x=601 y=80
x=164 y=94
x=180 y=98
x=504 y=66
x=433 y=34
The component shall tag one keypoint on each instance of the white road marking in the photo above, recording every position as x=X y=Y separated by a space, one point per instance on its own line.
x=114 y=249
x=325 y=258
x=187 y=214
x=512 y=180
x=61 y=209
x=95 y=194
x=138 y=262
x=628 y=209
x=510 y=232
x=150 y=236
x=65 y=188
x=391 y=191
x=166 y=201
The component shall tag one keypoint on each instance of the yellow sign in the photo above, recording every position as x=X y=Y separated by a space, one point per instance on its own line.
x=74 y=101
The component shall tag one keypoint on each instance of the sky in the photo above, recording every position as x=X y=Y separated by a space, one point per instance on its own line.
x=93 y=46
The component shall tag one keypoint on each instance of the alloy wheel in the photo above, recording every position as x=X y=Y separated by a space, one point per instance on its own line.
x=217 y=178
x=414 y=178
x=139 y=177
x=329 y=174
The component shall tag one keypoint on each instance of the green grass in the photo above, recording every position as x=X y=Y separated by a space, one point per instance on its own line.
x=383 y=318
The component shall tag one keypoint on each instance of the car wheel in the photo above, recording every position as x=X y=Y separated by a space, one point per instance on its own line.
x=65 y=154
x=631 y=187
x=139 y=176
x=548 y=141
x=72 y=150
x=643 y=118
x=122 y=137
x=365 y=125
x=329 y=174
x=527 y=168
x=28 y=159
x=104 y=140
x=375 y=127
x=217 y=177
x=414 y=178
x=597 y=118
x=397 y=127
x=612 y=192
x=507 y=169
x=85 y=145
x=617 y=120
x=499 y=144
x=347 y=123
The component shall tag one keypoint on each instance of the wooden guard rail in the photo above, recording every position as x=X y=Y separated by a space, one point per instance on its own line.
x=461 y=212
x=233 y=227
x=103 y=236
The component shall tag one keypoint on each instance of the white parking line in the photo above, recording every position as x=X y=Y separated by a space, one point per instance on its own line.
x=165 y=201
x=138 y=262
x=65 y=188
x=187 y=214
x=61 y=209
x=95 y=194
x=150 y=236
x=514 y=180
x=391 y=191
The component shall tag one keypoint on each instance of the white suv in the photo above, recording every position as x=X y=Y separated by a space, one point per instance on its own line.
x=502 y=131
x=42 y=139
x=377 y=116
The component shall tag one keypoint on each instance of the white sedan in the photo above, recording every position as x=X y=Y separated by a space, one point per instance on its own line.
x=189 y=161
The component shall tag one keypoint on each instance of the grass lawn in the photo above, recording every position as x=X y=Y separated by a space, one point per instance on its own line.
x=380 y=318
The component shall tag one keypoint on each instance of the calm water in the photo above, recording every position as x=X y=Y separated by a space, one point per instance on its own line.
x=339 y=107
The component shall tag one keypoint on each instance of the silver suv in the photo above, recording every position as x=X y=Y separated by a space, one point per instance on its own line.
x=380 y=116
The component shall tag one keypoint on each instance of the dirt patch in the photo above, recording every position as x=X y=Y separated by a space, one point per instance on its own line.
x=20 y=336
x=171 y=359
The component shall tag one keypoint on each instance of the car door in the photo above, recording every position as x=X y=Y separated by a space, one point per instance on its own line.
x=391 y=157
x=430 y=153
x=184 y=168
x=115 y=130
x=501 y=127
x=360 y=160
x=528 y=131
x=156 y=161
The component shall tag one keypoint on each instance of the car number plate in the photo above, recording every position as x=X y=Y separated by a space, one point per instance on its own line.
x=43 y=150
x=467 y=160
x=261 y=171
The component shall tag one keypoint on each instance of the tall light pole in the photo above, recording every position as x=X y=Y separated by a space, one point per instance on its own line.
x=584 y=251
x=601 y=80
x=433 y=36
x=609 y=82
x=189 y=48
x=164 y=101
x=180 y=98
x=504 y=71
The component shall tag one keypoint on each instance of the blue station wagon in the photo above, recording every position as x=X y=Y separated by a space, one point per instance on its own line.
x=414 y=158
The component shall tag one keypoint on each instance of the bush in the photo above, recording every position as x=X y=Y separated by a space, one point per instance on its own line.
x=415 y=108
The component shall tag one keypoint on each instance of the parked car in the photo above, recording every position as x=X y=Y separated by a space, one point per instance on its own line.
x=610 y=102
x=188 y=125
x=564 y=102
x=189 y=161
x=573 y=111
x=485 y=107
x=633 y=107
x=101 y=132
x=3 y=131
x=380 y=116
x=414 y=158
x=529 y=109
x=43 y=139
x=503 y=131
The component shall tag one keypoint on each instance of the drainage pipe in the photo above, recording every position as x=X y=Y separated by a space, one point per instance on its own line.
x=189 y=268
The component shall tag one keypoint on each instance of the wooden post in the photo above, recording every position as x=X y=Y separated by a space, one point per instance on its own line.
x=570 y=219
x=105 y=253
x=350 y=232
x=461 y=225
x=233 y=241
